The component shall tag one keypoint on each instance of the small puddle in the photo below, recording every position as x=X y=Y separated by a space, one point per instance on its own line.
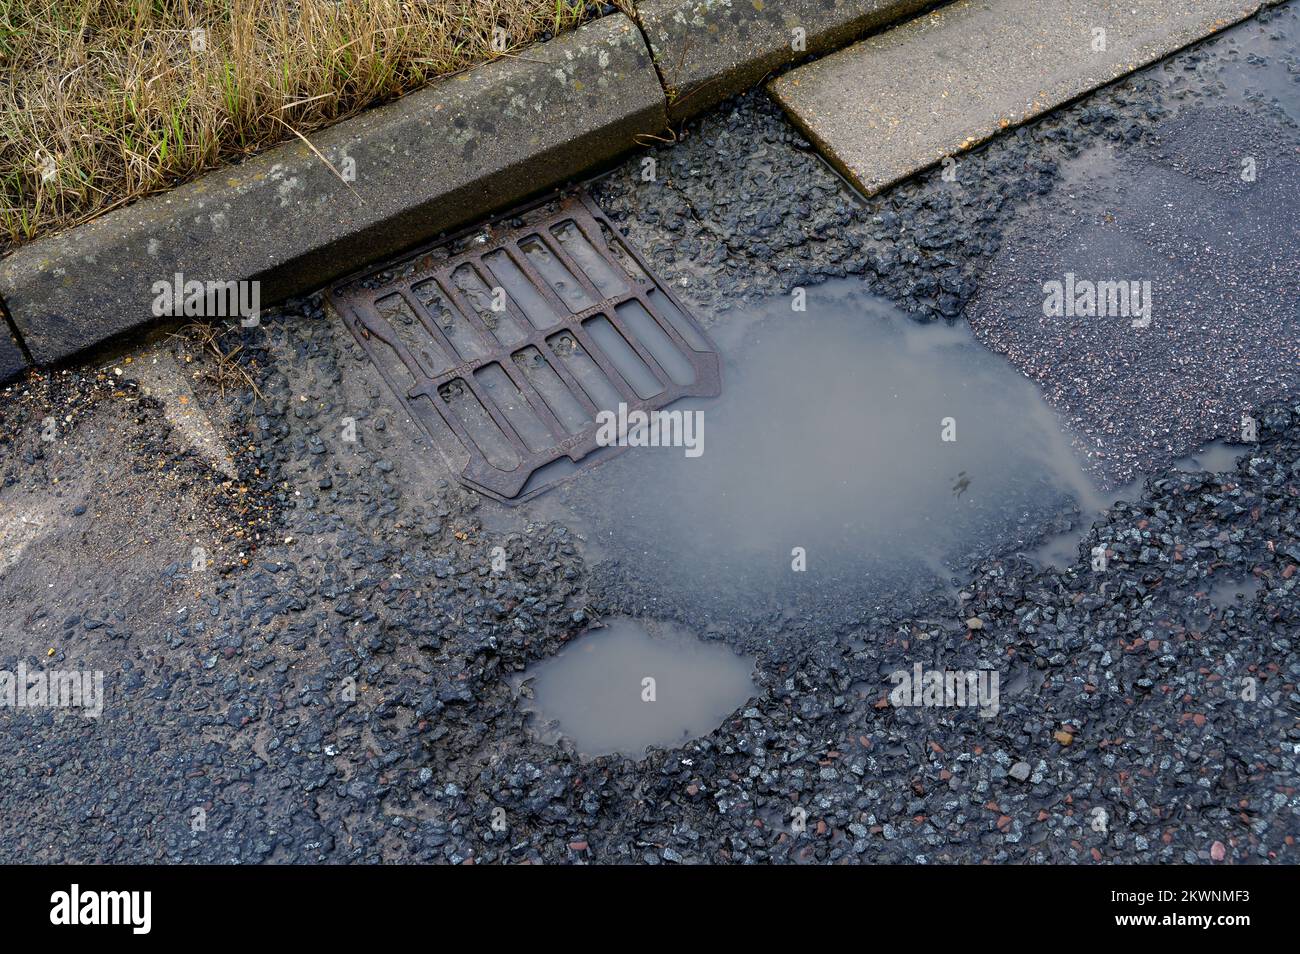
x=1234 y=593
x=632 y=684
x=1216 y=458
x=1061 y=550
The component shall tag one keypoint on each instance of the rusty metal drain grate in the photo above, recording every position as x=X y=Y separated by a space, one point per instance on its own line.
x=511 y=338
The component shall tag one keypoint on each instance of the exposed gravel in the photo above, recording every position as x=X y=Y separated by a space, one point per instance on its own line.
x=338 y=565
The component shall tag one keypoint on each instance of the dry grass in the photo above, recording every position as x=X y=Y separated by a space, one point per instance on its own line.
x=105 y=101
x=226 y=371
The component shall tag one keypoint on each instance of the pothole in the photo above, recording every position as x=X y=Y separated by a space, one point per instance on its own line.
x=854 y=453
x=632 y=684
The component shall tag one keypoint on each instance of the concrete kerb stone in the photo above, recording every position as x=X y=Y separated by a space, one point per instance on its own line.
x=707 y=50
x=428 y=163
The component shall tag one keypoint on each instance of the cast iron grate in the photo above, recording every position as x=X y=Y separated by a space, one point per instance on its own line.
x=511 y=338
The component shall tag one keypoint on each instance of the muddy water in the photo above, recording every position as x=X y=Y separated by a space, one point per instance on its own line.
x=634 y=684
x=853 y=452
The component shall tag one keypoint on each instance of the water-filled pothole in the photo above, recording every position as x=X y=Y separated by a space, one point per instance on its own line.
x=632 y=684
x=853 y=453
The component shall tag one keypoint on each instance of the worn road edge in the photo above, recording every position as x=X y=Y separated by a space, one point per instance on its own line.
x=929 y=88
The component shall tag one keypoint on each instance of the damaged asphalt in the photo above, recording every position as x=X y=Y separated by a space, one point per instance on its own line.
x=327 y=679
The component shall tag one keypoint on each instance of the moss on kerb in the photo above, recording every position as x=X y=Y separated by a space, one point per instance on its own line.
x=747 y=16
x=589 y=69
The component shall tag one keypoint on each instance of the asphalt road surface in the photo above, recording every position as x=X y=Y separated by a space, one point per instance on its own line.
x=308 y=656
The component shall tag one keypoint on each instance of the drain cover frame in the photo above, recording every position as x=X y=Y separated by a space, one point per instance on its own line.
x=356 y=298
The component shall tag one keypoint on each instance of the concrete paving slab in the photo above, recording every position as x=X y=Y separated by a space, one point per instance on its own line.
x=894 y=104
x=706 y=50
x=427 y=163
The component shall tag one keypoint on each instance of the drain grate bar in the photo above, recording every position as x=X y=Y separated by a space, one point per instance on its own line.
x=518 y=334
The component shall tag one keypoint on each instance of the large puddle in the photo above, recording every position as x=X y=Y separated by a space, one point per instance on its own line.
x=853 y=452
x=634 y=684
